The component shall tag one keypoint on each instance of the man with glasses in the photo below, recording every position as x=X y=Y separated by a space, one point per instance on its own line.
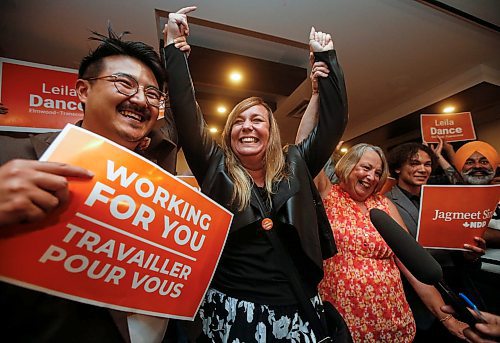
x=120 y=87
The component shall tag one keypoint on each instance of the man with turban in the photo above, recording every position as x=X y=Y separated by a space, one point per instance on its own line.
x=476 y=162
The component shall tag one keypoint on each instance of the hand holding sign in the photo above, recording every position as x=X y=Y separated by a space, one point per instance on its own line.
x=443 y=162
x=457 y=222
x=437 y=148
x=474 y=252
x=30 y=190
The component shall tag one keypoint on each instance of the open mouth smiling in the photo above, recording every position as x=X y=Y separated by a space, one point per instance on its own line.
x=249 y=140
x=365 y=184
x=133 y=115
x=134 y=112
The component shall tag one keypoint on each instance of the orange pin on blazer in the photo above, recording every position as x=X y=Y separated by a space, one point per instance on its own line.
x=267 y=224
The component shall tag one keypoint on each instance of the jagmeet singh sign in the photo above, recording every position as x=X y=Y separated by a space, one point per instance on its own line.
x=39 y=97
x=451 y=216
x=132 y=238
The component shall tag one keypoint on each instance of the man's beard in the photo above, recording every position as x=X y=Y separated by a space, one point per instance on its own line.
x=484 y=179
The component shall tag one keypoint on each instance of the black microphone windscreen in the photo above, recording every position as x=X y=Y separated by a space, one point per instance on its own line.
x=415 y=258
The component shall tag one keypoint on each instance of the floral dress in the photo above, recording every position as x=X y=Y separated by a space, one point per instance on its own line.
x=362 y=280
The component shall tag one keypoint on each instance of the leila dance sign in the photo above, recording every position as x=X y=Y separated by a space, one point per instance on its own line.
x=39 y=97
x=452 y=127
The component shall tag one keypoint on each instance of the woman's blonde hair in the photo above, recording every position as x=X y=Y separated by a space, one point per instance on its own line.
x=274 y=161
x=347 y=163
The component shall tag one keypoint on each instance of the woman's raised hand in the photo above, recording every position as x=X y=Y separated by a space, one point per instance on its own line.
x=320 y=41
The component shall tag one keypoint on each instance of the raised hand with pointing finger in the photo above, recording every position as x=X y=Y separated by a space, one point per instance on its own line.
x=177 y=25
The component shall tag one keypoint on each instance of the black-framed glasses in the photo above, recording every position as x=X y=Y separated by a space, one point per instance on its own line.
x=129 y=86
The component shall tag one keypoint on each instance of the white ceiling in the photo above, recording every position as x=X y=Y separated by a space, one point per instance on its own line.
x=398 y=55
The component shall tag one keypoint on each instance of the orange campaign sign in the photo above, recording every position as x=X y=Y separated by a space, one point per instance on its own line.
x=39 y=97
x=451 y=127
x=132 y=238
x=451 y=216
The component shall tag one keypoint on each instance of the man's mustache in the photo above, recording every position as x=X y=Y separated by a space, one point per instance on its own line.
x=482 y=171
x=128 y=106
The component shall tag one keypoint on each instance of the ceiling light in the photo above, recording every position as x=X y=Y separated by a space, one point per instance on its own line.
x=213 y=130
x=344 y=150
x=449 y=109
x=235 y=76
x=221 y=109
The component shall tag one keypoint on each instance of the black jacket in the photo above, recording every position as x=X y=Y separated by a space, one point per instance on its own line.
x=296 y=202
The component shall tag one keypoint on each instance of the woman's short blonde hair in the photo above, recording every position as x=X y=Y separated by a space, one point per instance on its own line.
x=347 y=163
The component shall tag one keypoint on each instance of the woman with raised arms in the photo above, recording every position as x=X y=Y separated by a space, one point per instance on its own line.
x=267 y=189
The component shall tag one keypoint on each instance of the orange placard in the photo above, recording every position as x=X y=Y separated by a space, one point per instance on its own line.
x=39 y=97
x=451 y=216
x=133 y=238
x=451 y=127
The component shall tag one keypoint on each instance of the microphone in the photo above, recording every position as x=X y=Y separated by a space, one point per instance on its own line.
x=418 y=261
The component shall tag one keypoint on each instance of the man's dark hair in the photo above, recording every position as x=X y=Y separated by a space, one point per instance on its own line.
x=402 y=153
x=112 y=45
